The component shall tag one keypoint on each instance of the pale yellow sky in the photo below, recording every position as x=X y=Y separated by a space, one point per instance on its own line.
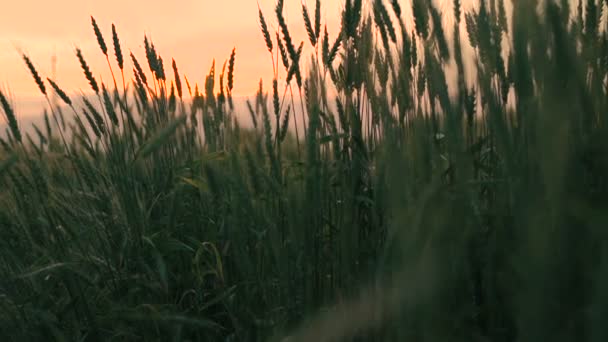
x=194 y=32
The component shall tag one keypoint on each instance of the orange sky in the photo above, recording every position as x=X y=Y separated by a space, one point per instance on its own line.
x=191 y=31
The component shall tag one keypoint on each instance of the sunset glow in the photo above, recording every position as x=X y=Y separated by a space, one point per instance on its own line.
x=193 y=32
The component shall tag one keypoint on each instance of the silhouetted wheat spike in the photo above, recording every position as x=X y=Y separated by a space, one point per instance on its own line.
x=333 y=52
x=178 y=81
x=64 y=97
x=294 y=70
x=92 y=124
x=160 y=72
x=265 y=31
x=231 y=62
x=140 y=87
x=308 y=25
x=10 y=117
x=99 y=36
x=397 y=7
x=442 y=43
x=283 y=25
x=275 y=102
x=87 y=71
x=457 y=10
x=283 y=53
x=318 y=19
x=138 y=70
x=230 y=76
x=188 y=85
x=325 y=46
x=117 y=48
x=421 y=21
x=172 y=99
x=221 y=80
x=35 y=74
x=386 y=19
x=351 y=17
x=109 y=106
x=285 y=124
x=252 y=113
x=471 y=26
x=379 y=21
x=98 y=118
x=151 y=56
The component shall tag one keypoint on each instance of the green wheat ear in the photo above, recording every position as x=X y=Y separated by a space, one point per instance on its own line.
x=99 y=36
x=95 y=115
x=421 y=17
x=386 y=19
x=10 y=117
x=439 y=35
x=87 y=71
x=109 y=106
x=318 y=19
x=283 y=52
x=178 y=81
x=34 y=74
x=139 y=72
x=265 y=31
x=312 y=36
x=230 y=77
x=325 y=46
x=64 y=97
x=283 y=25
x=252 y=113
x=92 y=123
x=117 y=48
x=457 y=11
x=231 y=69
x=285 y=124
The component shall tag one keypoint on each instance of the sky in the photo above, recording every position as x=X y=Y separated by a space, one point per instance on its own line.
x=193 y=32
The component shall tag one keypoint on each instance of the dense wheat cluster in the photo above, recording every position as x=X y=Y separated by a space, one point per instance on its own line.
x=373 y=199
